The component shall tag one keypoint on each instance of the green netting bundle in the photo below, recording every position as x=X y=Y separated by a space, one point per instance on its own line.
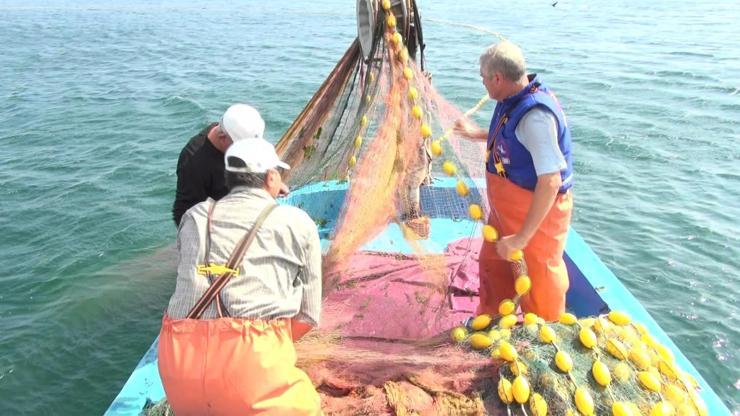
x=603 y=365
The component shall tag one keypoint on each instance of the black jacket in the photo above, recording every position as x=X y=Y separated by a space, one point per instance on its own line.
x=200 y=174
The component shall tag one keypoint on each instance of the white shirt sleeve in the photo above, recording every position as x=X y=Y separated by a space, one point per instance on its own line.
x=537 y=131
x=310 y=310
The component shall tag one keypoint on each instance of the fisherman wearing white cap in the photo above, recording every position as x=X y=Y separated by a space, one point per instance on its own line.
x=200 y=168
x=248 y=285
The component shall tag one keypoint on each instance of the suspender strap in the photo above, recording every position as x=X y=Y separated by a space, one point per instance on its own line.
x=236 y=257
x=492 y=147
x=209 y=229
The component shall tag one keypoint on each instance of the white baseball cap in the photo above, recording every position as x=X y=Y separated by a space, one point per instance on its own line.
x=242 y=121
x=257 y=154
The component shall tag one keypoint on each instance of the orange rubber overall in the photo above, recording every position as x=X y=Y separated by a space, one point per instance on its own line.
x=233 y=366
x=543 y=254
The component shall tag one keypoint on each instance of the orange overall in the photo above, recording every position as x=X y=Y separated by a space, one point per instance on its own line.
x=230 y=365
x=543 y=255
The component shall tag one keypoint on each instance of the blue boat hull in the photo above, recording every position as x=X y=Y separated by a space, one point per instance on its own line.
x=594 y=289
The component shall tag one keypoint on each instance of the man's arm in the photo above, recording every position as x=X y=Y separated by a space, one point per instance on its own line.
x=310 y=312
x=190 y=190
x=465 y=129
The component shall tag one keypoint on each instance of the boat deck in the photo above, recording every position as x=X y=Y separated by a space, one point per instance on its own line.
x=594 y=289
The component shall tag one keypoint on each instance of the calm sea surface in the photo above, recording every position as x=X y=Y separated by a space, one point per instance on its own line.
x=97 y=98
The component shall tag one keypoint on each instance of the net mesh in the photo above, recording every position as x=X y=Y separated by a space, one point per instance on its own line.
x=373 y=138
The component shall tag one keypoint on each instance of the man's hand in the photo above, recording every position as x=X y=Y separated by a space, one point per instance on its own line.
x=509 y=244
x=284 y=190
x=464 y=128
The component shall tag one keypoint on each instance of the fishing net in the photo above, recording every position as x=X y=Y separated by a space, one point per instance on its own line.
x=376 y=164
x=592 y=366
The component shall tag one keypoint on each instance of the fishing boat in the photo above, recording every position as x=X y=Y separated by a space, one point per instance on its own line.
x=326 y=148
x=594 y=289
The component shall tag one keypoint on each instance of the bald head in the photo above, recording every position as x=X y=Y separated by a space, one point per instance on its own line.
x=505 y=58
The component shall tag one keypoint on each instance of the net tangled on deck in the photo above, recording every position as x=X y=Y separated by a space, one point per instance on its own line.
x=602 y=365
x=378 y=133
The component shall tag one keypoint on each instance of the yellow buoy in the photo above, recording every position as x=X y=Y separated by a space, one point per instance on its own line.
x=616 y=349
x=649 y=381
x=520 y=389
x=563 y=361
x=622 y=372
x=522 y=284
x=449 y=168
x=458 y=334
x=667 y=370
x=587 y=322
x=664 y=352
x=489 y=233
x=480 y=341
x=436 y=148
x=538 y=405
x=584 y=402
x=358 y=141
x=481 y=322
x=504 y=390
x=516 y=255
x=530 y=318
x=417 y=112
x=397 y=38
x=688 y=379
x=662 y=409
x=601 y=373
x=547 y=334
x=699 y=404
x=518 y=368
x=686 y=409
x=475 y=211
x=386 y=5
x=363 y=121
x=676 y=395
x=621 y=409
x=508 y=352
x=600 y=325
x=568 y=319
x=390 y=21
x=506 y=307
x=413 y=93
x=507 y=321
x=403 y=55
x=619 y=318
x=408 y=73
x=462 y=188
x=426 y=131
x=352 y=161
x=587 y=337
x=639 y=358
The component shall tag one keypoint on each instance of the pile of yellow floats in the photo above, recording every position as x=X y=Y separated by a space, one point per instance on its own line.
x=598 y=365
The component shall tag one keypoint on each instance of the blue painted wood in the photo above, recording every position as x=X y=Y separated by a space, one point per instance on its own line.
x=593 y=289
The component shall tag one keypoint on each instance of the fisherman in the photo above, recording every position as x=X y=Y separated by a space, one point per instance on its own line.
x=248 y=286
x=200 y=168
x=529 y=178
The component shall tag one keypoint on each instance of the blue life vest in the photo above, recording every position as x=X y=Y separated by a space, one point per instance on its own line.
x=516 y=161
